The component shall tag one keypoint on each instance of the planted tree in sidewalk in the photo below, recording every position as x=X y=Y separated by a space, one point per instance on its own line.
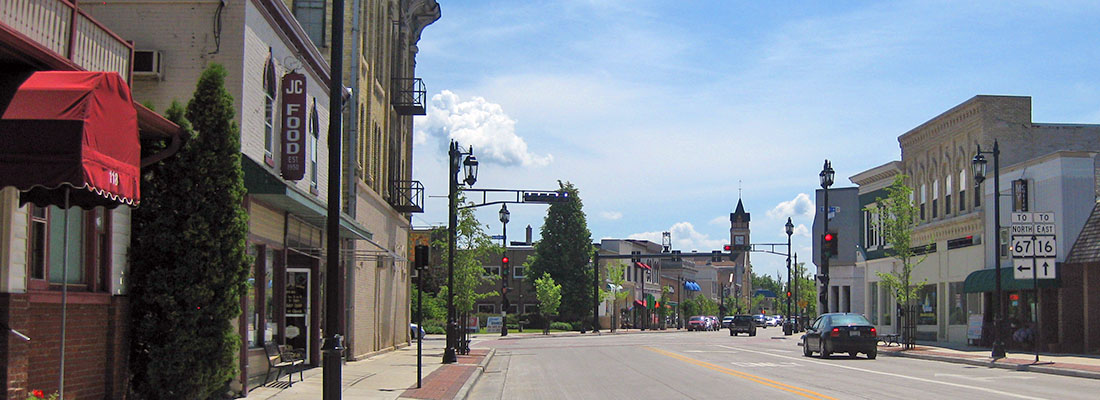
x=188 y=261
x=472 y=246
x=616 y=274
x=548 y=294
x=565 y=252
x=897 y=217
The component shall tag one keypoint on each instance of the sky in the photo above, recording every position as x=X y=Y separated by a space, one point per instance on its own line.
x=665 y=113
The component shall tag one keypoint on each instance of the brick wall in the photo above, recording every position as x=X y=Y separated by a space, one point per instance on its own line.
x=96 y=345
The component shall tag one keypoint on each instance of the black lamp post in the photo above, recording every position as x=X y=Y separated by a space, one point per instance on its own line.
x=826 y=176
x=468 y=167
x=790 y=231
x=504 y=264
x=979 y=169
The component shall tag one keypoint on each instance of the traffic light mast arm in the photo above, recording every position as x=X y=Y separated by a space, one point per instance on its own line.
x=521 y=196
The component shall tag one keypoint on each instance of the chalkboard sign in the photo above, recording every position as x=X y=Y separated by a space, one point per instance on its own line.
x=297 y=293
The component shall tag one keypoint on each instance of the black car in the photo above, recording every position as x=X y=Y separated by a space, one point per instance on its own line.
x=841 y=333
x=743 y=323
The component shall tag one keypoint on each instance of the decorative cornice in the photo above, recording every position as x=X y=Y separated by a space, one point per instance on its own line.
x=876 y=174
x=965 y=225
x=947 y=120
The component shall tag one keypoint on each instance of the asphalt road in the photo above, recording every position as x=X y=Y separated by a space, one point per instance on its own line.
x=713 y=365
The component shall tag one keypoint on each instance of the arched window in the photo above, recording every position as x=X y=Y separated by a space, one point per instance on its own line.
x=270 y=88
x=962 y=190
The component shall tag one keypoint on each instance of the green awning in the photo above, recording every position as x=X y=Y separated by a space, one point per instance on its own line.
x=271 y=189
x=984 y=281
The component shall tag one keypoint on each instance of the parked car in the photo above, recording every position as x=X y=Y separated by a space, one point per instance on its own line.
x=742 y=323
x=714 y=323
x=726 y=321
x=760 y=320
x=697 y=323
x=772 y=321
x=840 y=333
x=415 y=330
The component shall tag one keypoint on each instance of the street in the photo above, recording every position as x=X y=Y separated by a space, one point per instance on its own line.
x=710 y=365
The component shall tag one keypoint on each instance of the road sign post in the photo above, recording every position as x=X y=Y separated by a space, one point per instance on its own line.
x=1034 y=252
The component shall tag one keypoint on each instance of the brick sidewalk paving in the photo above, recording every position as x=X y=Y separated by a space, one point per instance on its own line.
x=1072 y=365
x=445 y=382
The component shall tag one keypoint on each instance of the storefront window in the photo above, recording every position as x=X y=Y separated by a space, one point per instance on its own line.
x=957 y=304
x=874 y=303
x=926 y=305
x=269 y=296
x=75 y=263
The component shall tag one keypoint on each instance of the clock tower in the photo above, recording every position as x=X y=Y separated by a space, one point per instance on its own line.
x=739 y=239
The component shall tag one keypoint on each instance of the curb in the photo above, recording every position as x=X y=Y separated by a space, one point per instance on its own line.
x=990 y=364
x=472 y=380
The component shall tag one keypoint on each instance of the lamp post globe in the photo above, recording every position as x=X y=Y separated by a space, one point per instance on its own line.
x=469 y=168
x=826 y=175
x=505 y=215
x=978 y=166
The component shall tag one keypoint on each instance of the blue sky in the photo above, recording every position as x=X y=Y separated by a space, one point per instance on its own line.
x=660 y=112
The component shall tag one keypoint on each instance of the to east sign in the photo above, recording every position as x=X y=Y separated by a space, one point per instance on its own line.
x=293 y=123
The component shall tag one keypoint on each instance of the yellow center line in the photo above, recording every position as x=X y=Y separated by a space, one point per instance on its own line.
x=763 y=381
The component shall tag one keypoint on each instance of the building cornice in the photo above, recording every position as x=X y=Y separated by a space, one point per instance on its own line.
x=876 y=174
x=964 y=225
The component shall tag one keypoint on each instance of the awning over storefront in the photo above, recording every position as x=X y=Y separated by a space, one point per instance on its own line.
x=269 y=188
x=74 y=129
x=984 y=281
x=642 y=265
x=691 y=286
x=764 y=292
x=639 y=303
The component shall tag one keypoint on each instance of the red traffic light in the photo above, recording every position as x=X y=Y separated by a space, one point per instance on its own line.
x=504 y=260
x=726 y=247
x=788 y=293
x=828 y=237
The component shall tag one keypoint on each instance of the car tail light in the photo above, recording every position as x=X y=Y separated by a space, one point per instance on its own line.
x=835 y=332
x=874 y=332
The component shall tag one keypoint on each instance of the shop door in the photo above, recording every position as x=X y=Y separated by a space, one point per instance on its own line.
x=298 y=283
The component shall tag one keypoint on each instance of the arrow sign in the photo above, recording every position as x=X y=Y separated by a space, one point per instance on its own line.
x=1045 y=268
x=1021 y=268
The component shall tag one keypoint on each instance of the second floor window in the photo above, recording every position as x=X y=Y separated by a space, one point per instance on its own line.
x=269 y=112
x=311 y=15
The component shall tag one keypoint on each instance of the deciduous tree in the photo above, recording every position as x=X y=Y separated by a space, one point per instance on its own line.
x=898 y=217
x=548 y=294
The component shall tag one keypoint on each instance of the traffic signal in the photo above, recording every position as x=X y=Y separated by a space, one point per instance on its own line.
x=504 y=266
x=423 y=254
x=828 y=244
x=788 y=294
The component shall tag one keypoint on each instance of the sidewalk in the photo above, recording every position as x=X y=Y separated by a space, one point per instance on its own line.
x=1082 y=366
x=390 y=376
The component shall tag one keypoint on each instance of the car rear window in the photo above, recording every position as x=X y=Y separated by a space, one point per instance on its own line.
x=849 y=320
x=696 y=319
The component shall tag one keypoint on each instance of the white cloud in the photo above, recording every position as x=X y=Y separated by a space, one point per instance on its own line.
x=721 y=220
x=802 y=230
x=481 y=124
x=801 y=205
x=611 y=215
x=684 y=238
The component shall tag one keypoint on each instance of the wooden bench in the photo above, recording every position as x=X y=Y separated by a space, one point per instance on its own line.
x=890 y=338
x=281 y=359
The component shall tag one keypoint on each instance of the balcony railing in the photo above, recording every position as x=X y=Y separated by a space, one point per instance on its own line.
x=409 y=96
x=407 y=196
x=50 y=24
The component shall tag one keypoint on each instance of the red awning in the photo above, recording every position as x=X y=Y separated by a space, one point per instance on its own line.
x=639 y=303
x=642 y=265
x=73 y=129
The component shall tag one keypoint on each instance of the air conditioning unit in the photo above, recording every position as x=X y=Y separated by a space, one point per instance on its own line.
x=147 y=64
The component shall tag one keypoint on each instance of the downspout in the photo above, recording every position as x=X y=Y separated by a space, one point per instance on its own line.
x=351 y=136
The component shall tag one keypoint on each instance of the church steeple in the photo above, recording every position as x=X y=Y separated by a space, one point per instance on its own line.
x=739 y=215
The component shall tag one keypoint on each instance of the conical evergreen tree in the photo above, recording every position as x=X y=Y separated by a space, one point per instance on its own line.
x=565 y=252
x=189 y=266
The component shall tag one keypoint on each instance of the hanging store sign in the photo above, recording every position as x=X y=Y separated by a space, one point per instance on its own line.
x=294 y=126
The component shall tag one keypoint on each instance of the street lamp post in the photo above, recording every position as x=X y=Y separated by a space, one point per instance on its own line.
x=504 y=264
x=978 y=165
x=826 y=176
x=797 y=293
x=787 y=322
x=469 y=169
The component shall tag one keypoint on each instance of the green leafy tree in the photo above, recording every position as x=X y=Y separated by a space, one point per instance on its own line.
x=806 y=293
x=548 y=294
x=472 y=246
x=435 y=308
x=565 y=252
x=898 y=216
x=616 y=273
x=189 y=266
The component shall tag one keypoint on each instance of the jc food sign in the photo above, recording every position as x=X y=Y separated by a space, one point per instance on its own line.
x=293 y=123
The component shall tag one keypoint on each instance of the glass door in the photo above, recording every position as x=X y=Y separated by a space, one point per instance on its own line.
x=298 y=309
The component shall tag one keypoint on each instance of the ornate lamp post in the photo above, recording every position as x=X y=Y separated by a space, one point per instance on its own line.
x=469 y=169
x=790 y=231
x=826 y=176
x=504 y=264
x=979 y=169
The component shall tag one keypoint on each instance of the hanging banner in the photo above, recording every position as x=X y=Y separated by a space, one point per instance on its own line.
x=294 y=126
